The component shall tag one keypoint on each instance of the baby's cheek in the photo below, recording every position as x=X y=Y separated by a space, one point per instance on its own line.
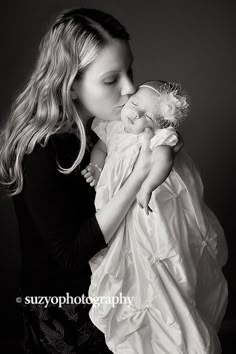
x=143 y=122
x=122 y=114
x=139 y=126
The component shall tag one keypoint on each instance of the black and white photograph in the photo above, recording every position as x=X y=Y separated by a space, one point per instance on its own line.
x=117 y=177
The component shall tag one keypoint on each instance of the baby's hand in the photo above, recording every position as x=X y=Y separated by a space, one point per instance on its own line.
x=143 y=198
x=91 y=173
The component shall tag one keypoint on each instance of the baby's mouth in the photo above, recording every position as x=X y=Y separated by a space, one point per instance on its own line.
x=130 y=120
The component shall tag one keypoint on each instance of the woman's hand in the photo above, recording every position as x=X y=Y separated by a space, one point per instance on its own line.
x=92 y=174
x=180 y=144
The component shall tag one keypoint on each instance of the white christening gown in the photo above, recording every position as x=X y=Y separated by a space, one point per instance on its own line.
x=168 y=263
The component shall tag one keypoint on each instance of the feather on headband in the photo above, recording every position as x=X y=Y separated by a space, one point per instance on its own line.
x=172 y=104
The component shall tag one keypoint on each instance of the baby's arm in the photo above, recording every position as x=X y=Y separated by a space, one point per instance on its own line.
x=163 y=162
x=97 y=159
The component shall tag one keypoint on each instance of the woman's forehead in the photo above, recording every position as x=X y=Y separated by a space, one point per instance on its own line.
x=114 y=57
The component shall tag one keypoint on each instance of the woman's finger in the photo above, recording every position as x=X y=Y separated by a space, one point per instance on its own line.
x=92 y=184
x=139 y=204
x=90 y=179
x=179 y=144
x=88 y=174
x=86 y=169
x=147 y=209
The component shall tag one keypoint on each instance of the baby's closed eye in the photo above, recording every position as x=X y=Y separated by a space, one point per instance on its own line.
x=134 y=103
x=149 y=117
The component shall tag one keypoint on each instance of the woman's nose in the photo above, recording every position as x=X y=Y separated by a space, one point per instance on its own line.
x=128 y=87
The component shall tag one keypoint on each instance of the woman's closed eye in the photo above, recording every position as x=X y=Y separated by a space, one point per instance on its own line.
x=111 y=81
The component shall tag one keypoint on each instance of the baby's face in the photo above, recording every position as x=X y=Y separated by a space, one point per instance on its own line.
x=139 y=112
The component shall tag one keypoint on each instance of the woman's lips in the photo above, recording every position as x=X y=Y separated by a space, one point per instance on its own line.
x=120 y=107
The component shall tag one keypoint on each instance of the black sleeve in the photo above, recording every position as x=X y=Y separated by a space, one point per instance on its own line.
x=70 y=238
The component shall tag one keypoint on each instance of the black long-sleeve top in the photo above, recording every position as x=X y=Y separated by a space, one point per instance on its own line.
x=58 y=228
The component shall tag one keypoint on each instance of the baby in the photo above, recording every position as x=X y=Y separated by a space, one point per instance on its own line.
x=167 y=259
x=147 y=108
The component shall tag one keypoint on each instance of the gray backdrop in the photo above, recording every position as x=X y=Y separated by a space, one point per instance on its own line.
x=190 y=42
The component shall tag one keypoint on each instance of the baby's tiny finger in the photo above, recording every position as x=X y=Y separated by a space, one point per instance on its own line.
x=92 y=184
x=146 y=209
x=139 y=204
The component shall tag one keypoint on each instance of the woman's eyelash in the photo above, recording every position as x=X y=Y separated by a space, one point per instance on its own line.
x=110 y=82
x=130 y=72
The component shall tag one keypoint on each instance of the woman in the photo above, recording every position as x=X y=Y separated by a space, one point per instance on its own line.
x=84 y=70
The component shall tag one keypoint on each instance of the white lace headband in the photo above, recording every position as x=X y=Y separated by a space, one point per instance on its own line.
x=173 y=106
x=152 y=88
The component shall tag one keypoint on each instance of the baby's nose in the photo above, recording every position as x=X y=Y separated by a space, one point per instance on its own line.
x=134 y=115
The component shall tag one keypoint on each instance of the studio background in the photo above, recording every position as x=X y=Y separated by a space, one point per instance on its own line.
x=189 y=42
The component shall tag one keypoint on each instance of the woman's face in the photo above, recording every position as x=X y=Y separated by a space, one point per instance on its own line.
x=107 y=83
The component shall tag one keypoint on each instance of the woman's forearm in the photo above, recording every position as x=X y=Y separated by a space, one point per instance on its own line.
x=111 y=215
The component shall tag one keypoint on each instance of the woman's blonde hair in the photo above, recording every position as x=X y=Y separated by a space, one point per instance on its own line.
x=45 y=106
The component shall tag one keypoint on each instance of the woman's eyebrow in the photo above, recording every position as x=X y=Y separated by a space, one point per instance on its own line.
x=108 y=73
x=115 y=71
